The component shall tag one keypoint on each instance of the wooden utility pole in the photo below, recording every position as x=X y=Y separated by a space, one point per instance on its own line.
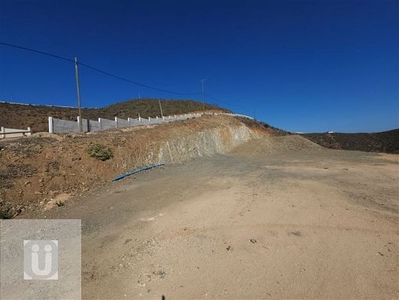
x=78 y=92
x=160 y=107
x=203 y=94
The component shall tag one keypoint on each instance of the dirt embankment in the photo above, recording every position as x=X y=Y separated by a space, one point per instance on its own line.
x=44 y=170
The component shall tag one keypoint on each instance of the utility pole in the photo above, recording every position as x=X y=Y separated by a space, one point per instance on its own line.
x=203 y=94
x=160 y=107
x=78 y=91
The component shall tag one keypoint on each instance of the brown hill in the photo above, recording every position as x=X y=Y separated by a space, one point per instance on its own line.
x=387 y=141
x=36 y=116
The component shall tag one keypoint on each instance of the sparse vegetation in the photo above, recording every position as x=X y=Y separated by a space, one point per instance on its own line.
x=14 y=171
x=387 y=141
x=100 y=152
x=7 y=211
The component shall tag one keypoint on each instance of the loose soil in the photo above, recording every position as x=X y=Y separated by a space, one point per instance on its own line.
x=253 y=224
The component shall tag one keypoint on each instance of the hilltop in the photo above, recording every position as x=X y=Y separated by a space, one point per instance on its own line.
x=36 y=116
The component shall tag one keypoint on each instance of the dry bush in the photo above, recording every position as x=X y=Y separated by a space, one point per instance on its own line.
x=14 y=171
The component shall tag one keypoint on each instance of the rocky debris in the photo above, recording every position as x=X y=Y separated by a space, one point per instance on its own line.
x=151 y=276
x=59 y=201
x=296 y=233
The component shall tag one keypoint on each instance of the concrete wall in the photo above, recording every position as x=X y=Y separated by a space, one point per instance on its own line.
x=12 y=133
x=94 y=125
x=63 y=126
x=107 y=124
x=121 y=122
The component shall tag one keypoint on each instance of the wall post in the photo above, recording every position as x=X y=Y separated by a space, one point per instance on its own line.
x=50 y=125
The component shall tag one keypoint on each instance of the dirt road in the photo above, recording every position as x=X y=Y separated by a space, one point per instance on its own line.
x=294 y=224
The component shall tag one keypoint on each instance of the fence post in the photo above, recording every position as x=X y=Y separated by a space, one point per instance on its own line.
x=116 y=122
x=88 y=125
x=100 y=123
x=29 y=131
x=50 y=125
x=3 y=132
x=80 y=125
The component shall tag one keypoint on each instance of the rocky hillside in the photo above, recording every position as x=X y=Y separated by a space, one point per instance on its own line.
x=36 y=116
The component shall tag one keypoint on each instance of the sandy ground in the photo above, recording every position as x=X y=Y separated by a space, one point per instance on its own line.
x=290 y=225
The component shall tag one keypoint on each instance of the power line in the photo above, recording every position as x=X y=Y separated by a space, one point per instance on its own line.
x=224 y=102
x=122 y=78
x=37 y=51
x=135 y=82
x=98 y=70
x=238 y=107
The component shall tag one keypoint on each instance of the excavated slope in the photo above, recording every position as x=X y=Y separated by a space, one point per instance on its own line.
x=270 y=144
x=38 y=169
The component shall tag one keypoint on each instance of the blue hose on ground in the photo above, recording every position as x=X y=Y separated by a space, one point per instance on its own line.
x=136 y=171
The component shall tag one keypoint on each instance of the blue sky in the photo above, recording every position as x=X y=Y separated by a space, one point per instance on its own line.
x=308 y=66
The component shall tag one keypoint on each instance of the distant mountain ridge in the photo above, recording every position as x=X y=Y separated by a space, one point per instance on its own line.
x=386 y=141
x=21 y=116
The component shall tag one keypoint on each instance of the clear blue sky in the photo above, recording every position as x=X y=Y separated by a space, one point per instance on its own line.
x=308 y=66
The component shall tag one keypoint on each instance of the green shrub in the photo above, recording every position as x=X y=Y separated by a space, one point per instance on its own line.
x=7 y=211
x=100 y=152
